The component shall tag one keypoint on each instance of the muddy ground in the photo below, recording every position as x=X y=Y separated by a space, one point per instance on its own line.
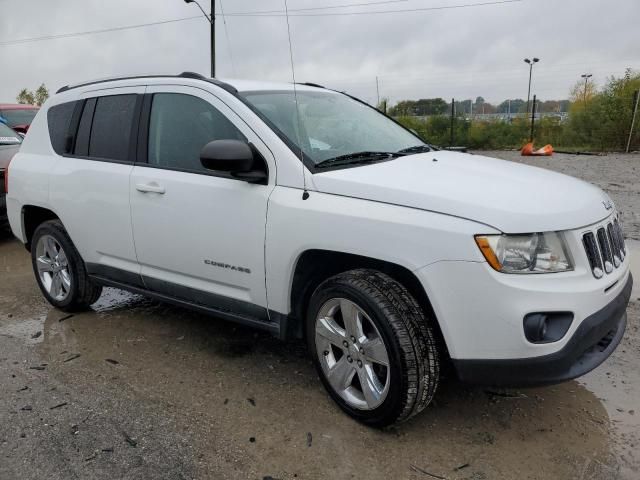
x=140 y=390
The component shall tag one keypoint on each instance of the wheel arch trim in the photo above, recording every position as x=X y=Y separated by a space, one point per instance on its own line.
x=43 y=213
x=304 y=280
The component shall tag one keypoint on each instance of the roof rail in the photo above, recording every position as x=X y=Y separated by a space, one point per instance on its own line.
x=309 y=84
x=193 y=75
x=199 y=76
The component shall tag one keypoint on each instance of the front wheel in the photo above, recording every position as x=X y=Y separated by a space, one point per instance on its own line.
x=60 y=271
x=373 y=347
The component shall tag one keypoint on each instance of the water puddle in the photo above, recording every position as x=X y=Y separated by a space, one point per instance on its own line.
x=616 y=383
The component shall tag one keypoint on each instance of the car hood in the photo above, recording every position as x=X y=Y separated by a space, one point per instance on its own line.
x=509 y=196
x=6 y=154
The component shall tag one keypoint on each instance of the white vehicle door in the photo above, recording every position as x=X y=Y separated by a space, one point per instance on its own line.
x=89 y=185
x=199 y=234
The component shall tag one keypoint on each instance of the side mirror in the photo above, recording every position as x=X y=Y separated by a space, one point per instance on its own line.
x=235 y=157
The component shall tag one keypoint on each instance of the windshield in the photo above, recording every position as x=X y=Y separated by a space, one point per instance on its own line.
x=18 y=117
x=8 y=136
x=331 y=124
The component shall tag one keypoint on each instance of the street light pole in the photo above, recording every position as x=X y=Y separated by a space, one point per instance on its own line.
x=212 y=20
x=586 y=77
x=530 y=62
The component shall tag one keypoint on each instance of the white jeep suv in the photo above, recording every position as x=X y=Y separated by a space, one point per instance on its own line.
x=309 y=214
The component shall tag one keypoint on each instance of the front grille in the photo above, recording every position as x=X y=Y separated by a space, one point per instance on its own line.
x=605 y=248
x=618 y=230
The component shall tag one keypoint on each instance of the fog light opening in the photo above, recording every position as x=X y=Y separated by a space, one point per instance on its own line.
x=546 y=327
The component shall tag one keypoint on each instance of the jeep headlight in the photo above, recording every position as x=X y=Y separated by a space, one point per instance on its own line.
x=531 y=253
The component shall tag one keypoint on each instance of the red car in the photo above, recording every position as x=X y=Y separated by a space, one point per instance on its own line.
x=9 y=145
x=18 y=116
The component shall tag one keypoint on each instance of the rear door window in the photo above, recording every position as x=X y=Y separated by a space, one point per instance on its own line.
x=111 y=130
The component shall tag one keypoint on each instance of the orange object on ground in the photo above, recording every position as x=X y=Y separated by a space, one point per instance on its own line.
x=528 y=151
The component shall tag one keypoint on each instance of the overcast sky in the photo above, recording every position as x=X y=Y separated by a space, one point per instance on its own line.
x=461 y=52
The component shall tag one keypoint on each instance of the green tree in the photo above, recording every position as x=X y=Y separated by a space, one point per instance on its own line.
x=431 y=106
x=422 y=107
x=603 y=121
x=403 y=108
x=41 y=95
x=514 y=105
x=26 y=97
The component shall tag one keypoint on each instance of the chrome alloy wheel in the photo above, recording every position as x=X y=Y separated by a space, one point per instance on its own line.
x=352 y=354
x=53 y=268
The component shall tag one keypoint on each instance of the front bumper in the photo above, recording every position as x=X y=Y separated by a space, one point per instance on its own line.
x=591 y=344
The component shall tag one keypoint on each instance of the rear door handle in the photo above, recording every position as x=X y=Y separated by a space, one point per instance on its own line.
x=152 y=187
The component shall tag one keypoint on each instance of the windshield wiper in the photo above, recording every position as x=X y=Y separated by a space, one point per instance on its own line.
x=416 y=149
x=357 y=157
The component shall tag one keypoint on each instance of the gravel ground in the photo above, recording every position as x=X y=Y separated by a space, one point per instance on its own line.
x=139 y=390
x=616 y=174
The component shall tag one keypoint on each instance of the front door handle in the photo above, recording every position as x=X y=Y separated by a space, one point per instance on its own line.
x=152 y=187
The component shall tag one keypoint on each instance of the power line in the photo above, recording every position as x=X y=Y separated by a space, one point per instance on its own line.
x=376 y=12
x=327 y=7
x=248 y=14
x=92 y=32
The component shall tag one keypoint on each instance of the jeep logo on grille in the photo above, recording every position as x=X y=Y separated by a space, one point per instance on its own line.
x=608 y=204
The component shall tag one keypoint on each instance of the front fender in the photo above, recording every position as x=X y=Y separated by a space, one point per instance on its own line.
x=408 y=237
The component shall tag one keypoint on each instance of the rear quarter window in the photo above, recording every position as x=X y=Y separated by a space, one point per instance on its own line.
x=58 y=120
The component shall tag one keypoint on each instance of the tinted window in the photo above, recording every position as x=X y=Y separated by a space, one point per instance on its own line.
x=84 y=128
x=111 y=129
x=180 y=126
x=58 y=119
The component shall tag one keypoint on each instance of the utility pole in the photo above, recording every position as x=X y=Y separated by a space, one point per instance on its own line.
x=212 y=20
x=531 y=63
x=636 y=98
x=453 y=118
x=586 y=77
x=533 y=118
x=377 y=90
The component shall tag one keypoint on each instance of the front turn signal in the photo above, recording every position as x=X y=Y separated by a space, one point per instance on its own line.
x=487 y=251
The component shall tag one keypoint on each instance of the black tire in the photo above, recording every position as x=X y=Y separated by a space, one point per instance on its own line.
x=83 y=292
x=5 y=228
x=414 y=362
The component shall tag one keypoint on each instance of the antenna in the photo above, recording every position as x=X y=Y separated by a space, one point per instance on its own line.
x=226 y=34
x=305 y=193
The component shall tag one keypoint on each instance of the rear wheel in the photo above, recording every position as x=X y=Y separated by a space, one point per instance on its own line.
x=60 y=271
x=373 y=347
